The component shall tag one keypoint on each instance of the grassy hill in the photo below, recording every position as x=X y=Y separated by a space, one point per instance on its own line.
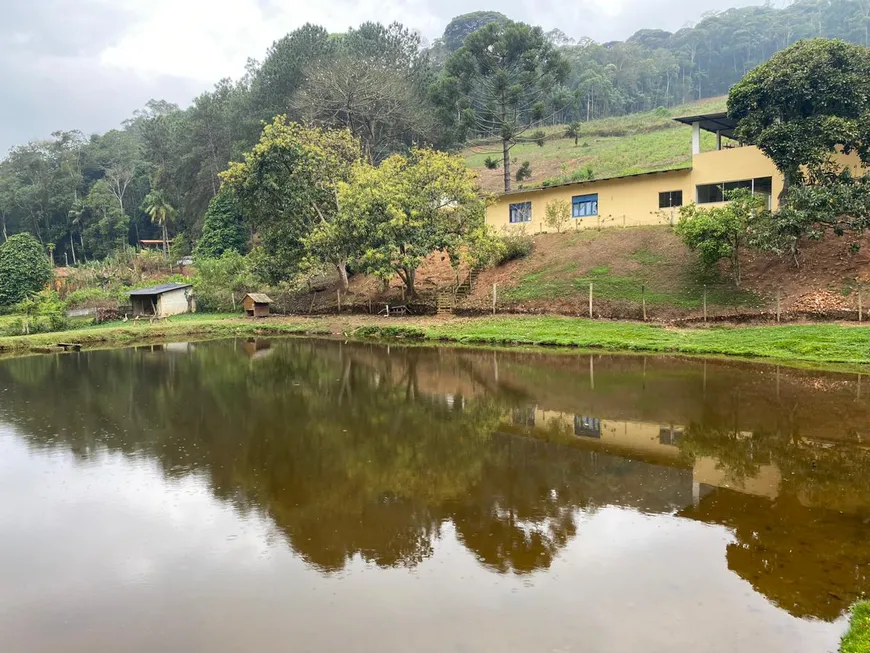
x=640 y=142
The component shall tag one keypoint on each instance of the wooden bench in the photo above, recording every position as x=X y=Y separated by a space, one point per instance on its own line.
x=398 y=309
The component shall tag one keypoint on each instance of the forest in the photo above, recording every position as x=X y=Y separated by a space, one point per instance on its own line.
x=84 y=196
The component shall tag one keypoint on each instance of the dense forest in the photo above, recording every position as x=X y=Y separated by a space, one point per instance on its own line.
x=83 y=196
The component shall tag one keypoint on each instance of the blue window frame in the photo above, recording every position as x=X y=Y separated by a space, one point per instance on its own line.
x=583 y=206
x=521 y=212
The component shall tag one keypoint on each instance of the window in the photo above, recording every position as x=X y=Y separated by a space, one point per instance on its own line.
x=709 y=193
x=583 y=206
x=524 y=416
x=670 y=199
x=521 y=212
x=587 y=427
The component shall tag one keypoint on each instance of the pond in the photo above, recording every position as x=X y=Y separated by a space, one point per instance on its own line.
x=312 y=495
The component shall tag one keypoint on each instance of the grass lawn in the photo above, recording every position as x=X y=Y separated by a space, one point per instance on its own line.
x=857 y=639
x=818 y=344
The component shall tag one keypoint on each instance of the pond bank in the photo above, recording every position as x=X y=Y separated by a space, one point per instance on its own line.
x=857 y=638
x=808 y=343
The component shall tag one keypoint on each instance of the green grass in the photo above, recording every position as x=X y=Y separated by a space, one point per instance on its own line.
x=612 y=147
x=181 y=326
x=812 y=343
x=857 y=639
x=660 y=283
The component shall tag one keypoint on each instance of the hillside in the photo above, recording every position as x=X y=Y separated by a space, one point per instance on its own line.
x=610 y=147
x=629 y=266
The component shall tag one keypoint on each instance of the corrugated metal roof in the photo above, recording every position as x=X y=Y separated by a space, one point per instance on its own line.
x=159 y=290
x=259 y=298
x=538 y=189
x=712 y=122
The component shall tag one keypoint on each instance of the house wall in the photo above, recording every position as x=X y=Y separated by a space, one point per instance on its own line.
x=634 y=201
x=173 y=302
x=630 y=201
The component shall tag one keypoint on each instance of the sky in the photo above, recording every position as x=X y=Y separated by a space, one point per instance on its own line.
x=89 y=64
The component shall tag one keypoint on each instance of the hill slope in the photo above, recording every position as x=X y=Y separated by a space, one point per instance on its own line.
x=640 y=142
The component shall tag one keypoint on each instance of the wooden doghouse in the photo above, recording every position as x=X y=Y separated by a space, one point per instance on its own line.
x=256 y=304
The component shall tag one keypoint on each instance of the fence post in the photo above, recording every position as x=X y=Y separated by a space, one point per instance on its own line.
x=643 y=299
x=705 y=303
x=777 y=304
x=860 y=304
x=313 y=297
x=590 y=300
x=233 y=298
x=338 y=299
x=494 y=296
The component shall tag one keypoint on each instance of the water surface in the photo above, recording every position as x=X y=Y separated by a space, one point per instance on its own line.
x=318 y=496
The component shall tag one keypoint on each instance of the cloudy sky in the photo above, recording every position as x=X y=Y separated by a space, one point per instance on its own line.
x=88 y=64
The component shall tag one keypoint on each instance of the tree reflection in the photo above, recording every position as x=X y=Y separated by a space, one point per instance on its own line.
x=356 y=450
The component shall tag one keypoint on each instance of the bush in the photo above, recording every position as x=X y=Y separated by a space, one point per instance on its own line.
x=517 y=244
x=43 y=313
x=491 y=163
x=484 y=248
x=524 y=171
x=221 y=283
x=24 y=269
x=558 y=214
x=89 y=297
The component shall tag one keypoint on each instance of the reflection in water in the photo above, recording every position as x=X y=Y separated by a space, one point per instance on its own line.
x=355 y=452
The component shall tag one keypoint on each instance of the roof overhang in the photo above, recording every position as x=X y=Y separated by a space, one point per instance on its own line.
x=712 y=122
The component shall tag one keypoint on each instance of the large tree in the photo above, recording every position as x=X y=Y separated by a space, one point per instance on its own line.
x=500 y=83
x=286 y=186
x=223 y=229
x=802 y=104
x=407 y=208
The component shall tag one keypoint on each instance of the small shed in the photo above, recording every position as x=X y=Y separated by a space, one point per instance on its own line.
x=256 y=304
x=163 y=301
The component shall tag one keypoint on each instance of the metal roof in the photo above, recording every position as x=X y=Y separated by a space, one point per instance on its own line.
x=538 y=189
x=158 y=290
x=712 y=122
x=259 y=298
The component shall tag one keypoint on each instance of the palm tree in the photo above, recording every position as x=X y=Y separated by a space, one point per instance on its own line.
x=161 y=212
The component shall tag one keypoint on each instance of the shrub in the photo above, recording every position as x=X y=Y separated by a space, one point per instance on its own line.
x=220 y=283
x=517 y=244
x=524 y=171
x=558 y=214
x=484 y=247
x=87 y=297
x=43 y=312
x=24 y=269
x=491 y=163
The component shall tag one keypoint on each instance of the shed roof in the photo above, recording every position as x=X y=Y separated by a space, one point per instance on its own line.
x=259 y=298
x=712 y=122
x=158 y=290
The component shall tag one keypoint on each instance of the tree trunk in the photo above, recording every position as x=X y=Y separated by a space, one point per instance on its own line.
x=3 y=224
x=165 y=242
x=72 y=246
x=341 y=266
x=506 y=153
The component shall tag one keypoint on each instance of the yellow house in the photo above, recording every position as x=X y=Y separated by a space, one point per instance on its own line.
x=652 y=197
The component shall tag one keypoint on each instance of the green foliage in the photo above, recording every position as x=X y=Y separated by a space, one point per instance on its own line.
x=524 y=171
x=105 y=226
x=461 y=27
x=221 y=283
x=491 y=163
x=287 y=188
x=223 y=229
x=91 y=296
x=557 y=214
x=483 y=247
x=857 y=639
x=804 y=102
x=157 y=207
x=500 y=82
x=516 y=244
x=24 y=269
x=573 y=130
x=407 y=208
x=721 y=232
x=42 y=312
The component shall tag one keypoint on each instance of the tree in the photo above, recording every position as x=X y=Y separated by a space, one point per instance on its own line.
x=223 y=229
x=461 y=27
x=558 y=214
x=802 y=104
x=161 y=212
x=407 y=208
x=574 y=130
x=102 y=220
x=722 y=232
x=286 y=186
x=499 y=83
x=24 y=269
x=375 y=85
